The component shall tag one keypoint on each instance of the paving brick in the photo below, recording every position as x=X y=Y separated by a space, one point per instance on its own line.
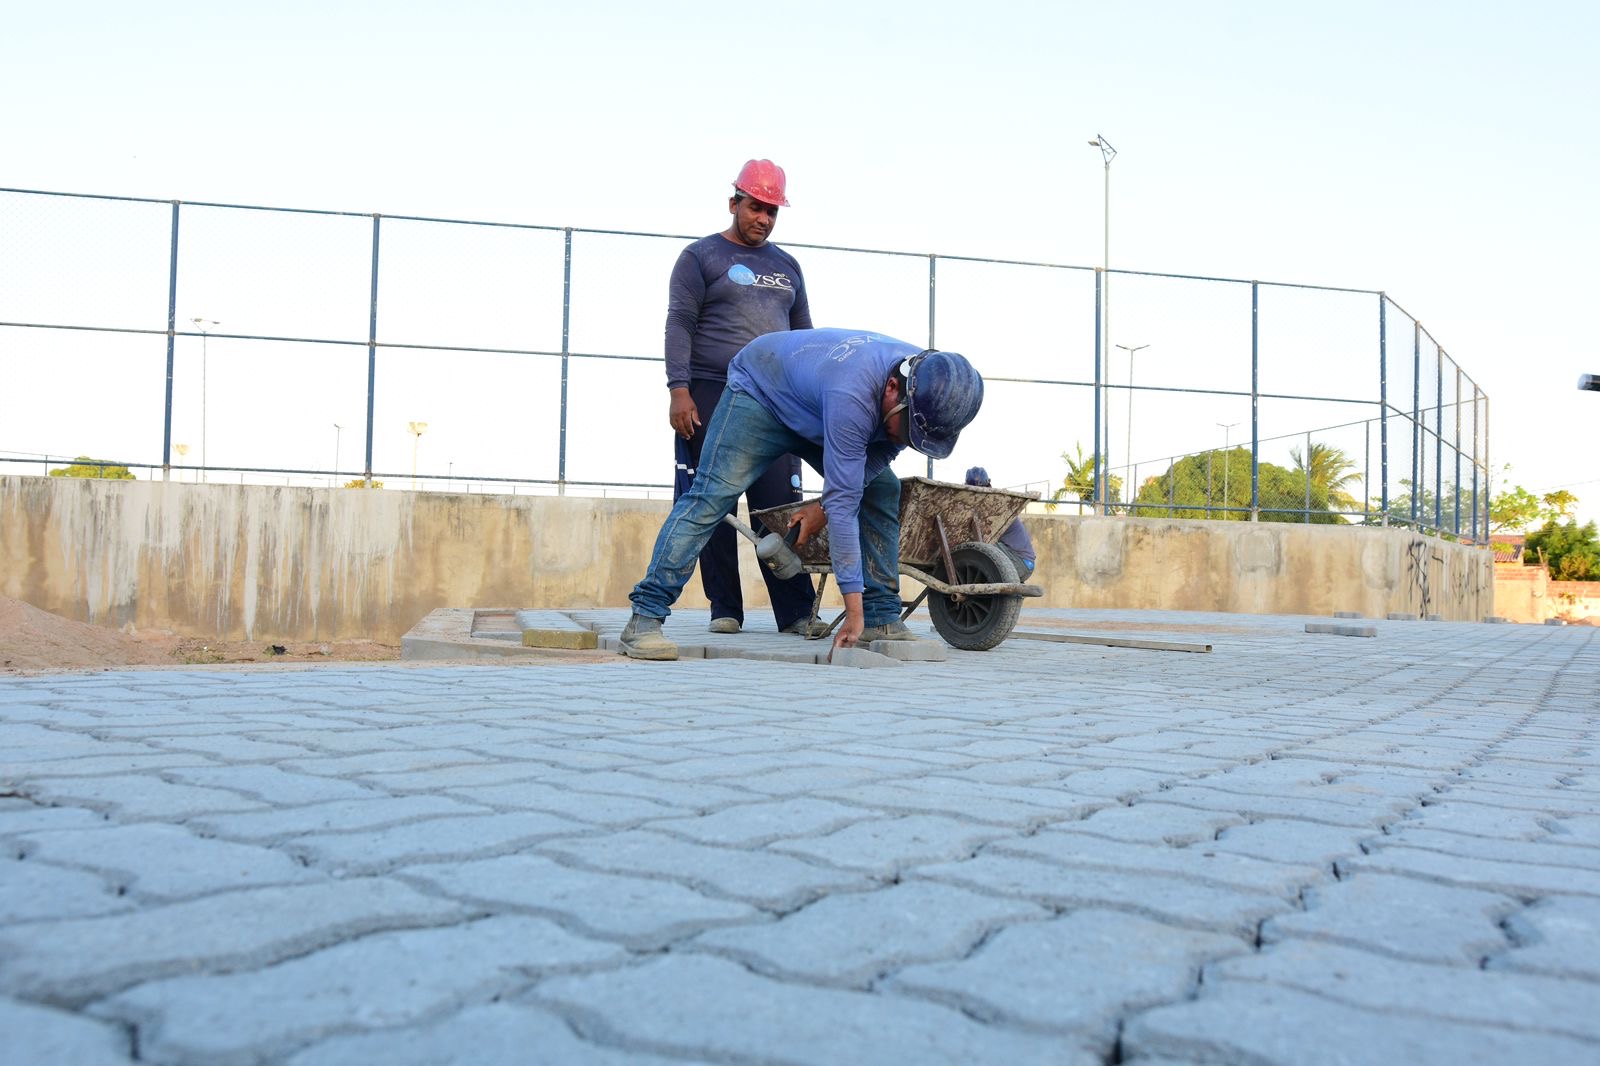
x=1201 y=862
x=15 y=773
x=1454 y=993
x=1418 y=920
x=1255 y=806
x=758 y=877
x=1176 y=900
x=400 y=760
x=851 y=938
x=753 y=824
x=883 y=847
x=1235 y=1022
x=33 y=890
x=433 y=840
x=1283 y=840
x=25 y=817
x=271 y=785
x=1003 y=805
x=911 y=651
x=702 y=1007
x=499 y=1033
x=1558 y=936
x=131 y=796
x=638 y=911
x=1475 y=819
x=383 y=980
x=592 y=807
x=1159 y=823
x=339 y=816
x=1510 y=878
x=164 y=861
x=861 y=659
x=1081 y=972
x=74 y=961
x=35 y=1034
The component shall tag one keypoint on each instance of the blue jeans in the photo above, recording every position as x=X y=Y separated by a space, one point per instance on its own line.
x=742 y=440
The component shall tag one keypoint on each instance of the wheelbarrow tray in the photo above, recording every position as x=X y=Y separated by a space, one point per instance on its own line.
x=967 y=511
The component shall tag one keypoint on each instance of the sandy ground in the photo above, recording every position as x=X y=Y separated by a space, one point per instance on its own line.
x=32 y=640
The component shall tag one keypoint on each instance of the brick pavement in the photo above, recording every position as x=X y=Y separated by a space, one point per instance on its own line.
x=1296 y=849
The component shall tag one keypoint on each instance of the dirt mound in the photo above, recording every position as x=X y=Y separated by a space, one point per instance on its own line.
x=35 y=640
x=31 y=639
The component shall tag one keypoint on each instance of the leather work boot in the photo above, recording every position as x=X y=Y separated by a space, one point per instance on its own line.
x=896 y=630
x=810 y=628
x=725 y=625
x=642 y=639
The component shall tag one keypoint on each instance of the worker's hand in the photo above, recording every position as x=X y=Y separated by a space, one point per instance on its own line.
x=811 y=519
x=683 y=414
x=855 y=621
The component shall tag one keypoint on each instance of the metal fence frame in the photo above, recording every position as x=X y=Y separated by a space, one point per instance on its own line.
x=1417 y=414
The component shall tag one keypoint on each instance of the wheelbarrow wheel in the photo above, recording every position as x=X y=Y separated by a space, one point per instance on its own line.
x=976 y=623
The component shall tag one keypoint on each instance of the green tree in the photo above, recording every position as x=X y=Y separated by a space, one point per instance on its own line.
x=1571 y=551
x=362 y=483
x=1558 y=504
x=83 y=466
x=1331 y=470
x=1514 y=510
x=1198 y=486
x=1079 y=481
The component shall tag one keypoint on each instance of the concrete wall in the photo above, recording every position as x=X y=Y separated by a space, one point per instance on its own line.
x=1526 y=594
x=258 y=562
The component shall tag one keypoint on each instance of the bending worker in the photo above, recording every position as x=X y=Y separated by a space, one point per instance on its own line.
x=1015 y=542
x=846 y=402
x=726 y=290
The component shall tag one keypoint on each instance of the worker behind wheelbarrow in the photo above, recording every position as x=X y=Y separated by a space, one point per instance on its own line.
x=1015 y=541
x=846 y=402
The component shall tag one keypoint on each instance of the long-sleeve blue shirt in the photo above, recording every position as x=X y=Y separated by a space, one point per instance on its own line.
x=827 y=386
x=722 y=296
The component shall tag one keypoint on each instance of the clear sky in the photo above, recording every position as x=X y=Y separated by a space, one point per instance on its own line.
x=1443 y=152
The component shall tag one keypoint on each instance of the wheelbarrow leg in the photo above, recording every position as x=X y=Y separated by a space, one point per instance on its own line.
x=907 y=608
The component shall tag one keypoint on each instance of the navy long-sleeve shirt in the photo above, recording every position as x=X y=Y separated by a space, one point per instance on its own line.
x=827 y=386
x=722 y=296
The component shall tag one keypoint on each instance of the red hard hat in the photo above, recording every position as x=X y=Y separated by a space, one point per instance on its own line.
x=762 y=179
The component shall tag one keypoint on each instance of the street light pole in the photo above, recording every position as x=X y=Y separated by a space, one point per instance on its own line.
x=201 y=324
x=337 y=430
x=1128 y=455
x=417 y=430
x=1227 y=428
x=1107 y=153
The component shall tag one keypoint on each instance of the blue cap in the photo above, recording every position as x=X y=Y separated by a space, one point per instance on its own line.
x=943 y=392
x=977 y=475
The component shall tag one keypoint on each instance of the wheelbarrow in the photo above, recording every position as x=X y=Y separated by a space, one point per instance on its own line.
x=948 y=543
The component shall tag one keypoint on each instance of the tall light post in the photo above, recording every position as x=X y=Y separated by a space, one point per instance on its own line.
x=1128 y=454
x=337 y=430
x=1107 y=153
x=1227 y=428
x=417 y=430
x=205 y=334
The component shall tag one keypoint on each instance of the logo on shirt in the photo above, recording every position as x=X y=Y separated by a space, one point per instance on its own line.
x=740 y=274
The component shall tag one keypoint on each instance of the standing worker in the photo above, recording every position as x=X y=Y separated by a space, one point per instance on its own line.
x=1015 y=541
x=728 y=289
x=847 y=402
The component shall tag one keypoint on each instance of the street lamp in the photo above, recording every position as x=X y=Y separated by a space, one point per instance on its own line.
x=417 y=430
x=1107 y=153
x=201 y=324
x=1227 y=428
x=1128 y=455
x=1589 y=382
x=337 y=429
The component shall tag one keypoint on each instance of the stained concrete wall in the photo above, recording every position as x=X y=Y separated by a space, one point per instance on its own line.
x=1526 y=594
x=258 y=562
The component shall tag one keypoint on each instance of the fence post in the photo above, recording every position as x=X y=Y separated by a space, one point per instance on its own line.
x=566 y=359
x=1255 y=401
x=1438 y=438
x=1456 y=522
x=1383 y=409
x=1307 y=465
x=172 y=321
x=1475 y=470
x=932 y=261
x=1416 y=416
x=1102 y=486
x=372 y=348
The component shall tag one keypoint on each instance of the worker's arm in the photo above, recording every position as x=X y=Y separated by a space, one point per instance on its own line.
x=686 y=294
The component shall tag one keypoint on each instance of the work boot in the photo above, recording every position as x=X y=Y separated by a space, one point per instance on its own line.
x=810 y=628
x=642 y=639
x=896 y=630
x=725 y=625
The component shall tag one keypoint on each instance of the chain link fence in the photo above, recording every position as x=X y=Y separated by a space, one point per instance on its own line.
x=208 y=342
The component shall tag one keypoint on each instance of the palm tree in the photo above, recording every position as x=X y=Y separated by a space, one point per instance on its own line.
x=1331 y=470
x=1079 y=481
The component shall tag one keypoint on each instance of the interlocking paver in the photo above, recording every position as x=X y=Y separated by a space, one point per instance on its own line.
x=732 y=860
x=1081 y=972
x=851 y=938
x=702 y=1006
x=381 y=980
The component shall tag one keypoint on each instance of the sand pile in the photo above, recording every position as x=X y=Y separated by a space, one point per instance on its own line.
x=31 y=639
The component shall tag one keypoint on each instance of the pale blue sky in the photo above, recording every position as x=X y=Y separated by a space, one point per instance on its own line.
x=1444 y=152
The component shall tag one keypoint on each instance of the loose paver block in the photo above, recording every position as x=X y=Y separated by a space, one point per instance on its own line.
x=910 y=651
x=1341 y=630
